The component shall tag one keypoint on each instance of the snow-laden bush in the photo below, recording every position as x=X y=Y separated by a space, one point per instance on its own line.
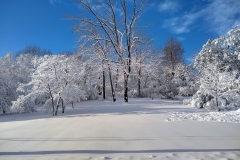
x=23 y=104
x=219 y=65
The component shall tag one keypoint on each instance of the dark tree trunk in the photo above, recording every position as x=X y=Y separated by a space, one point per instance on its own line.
x=57 y=106
x=4 y=111
x=116 y=80
x=216 y=98
x=126 y=75
x=104 y=85
x=110 y=77
x=63 y=107
x=99 y=88
x=145 y=83
x=139 y=81
x=139 y=88
x=56 y=109
x=72 y=105
x=125 y=92
x=51 y=99
x=52 y=106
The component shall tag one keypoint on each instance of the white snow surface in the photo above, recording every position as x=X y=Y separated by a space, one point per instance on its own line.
x=229 y=116
x=119 y=131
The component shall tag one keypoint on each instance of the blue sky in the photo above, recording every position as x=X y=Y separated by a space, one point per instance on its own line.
x=41 y=23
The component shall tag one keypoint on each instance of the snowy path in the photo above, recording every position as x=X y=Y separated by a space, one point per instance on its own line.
x=106 y=130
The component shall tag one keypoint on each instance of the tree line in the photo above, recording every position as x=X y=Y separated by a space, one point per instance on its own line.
x=115 y=59
x=31 y=80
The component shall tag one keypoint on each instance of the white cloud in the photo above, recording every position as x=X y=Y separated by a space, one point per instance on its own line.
x=54 y=1
x=168 y=5
x=181 y=24
x=219 y=16
x=222 y=15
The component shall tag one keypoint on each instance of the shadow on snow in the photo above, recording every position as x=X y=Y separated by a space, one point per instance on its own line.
x=113 y=151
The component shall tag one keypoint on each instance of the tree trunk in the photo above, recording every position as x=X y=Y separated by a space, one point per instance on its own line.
x=216 y=98
x=59 y=99
x=139 y=88
x=52 y=106
x=110 y=77
x=56 y=109
x=72 y=104
x=139 y=81
x=145 y=84
x=99 y=87
x=104 y=85
x=63 y=107
x=116 y=80
x=125 y=92
x=126 y=75
x=51 y=99
x=216 y=87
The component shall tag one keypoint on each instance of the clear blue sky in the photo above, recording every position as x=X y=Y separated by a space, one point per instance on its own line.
x=40 y=23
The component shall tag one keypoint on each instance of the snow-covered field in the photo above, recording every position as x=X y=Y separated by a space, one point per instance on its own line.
x=142 y=129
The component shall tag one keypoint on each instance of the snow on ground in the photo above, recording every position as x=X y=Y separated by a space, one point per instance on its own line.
x=230 y=116
x=107 y=130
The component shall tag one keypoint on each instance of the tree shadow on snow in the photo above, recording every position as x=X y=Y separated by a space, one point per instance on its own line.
x=113 y=151
x=120 y=139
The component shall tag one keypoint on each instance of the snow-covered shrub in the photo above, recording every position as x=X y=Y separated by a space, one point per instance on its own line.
x=23 y=104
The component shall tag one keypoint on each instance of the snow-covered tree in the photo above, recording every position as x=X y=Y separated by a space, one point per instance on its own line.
x=27 y=63
x=186 y=80
x=10 y=76
x=219 y=65
x=51 y=84
x=34 y=51
x=116 y=23
x=175 y=78
x=145 y=64
x=172 y=53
